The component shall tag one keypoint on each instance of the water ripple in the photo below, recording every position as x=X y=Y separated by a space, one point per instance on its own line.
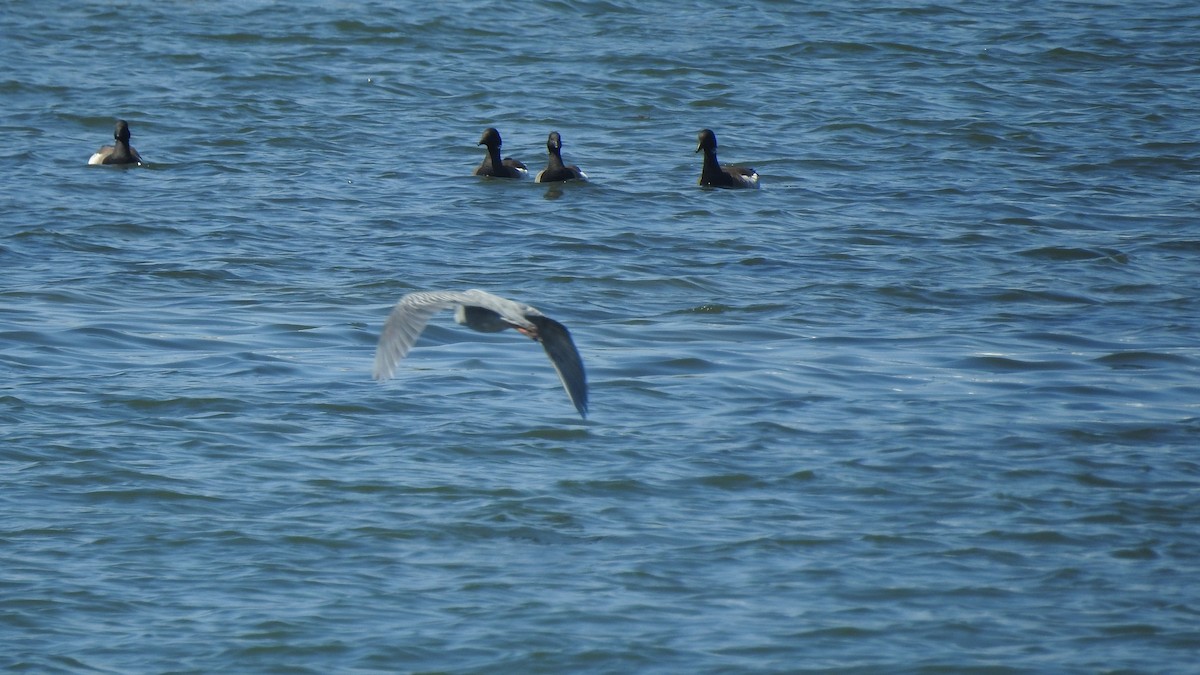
x=927 y=392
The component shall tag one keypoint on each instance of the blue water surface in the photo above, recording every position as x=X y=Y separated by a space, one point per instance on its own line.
x=926 y=402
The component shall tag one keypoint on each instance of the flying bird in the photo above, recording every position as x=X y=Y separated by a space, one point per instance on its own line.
x=714 y=174
x=487 y=313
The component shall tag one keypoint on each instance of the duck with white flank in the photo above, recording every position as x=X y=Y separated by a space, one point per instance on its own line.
x=556 y=171
x=481 y=311
x=715 y=175
x=492 y=164
x=120 y=152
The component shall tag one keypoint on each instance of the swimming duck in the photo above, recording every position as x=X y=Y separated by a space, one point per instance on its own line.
x=492 y=164
x=715 y=175
x=120 y=152
x=555 y=170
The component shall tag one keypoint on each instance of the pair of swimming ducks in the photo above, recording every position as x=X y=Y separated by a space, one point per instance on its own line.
x=713 y=174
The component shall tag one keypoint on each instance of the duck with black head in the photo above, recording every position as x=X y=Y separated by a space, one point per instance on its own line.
x=120 y=152
x=556 y=171
x=492 y=164
x=727 y=176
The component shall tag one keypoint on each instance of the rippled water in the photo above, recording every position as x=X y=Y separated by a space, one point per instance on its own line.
x=929 y=401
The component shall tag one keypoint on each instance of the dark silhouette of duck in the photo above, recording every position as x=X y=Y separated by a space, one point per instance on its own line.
x=714 y=174
x=120 y=152
x=492 y=164
x=556 y=171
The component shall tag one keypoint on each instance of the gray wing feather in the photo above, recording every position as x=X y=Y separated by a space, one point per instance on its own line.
x=412 y=313
x=405 y=324
x=559 y=346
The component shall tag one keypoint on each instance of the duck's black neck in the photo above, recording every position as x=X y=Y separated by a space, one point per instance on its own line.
x=494 y=156
x=121 y=151
x=712 y=168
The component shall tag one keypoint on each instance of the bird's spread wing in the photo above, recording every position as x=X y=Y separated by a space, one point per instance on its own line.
x=405 y=323
x=556 y=340
x=413 y=311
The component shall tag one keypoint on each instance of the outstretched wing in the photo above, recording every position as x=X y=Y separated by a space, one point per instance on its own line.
x=556 y=340
x=405 y=323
